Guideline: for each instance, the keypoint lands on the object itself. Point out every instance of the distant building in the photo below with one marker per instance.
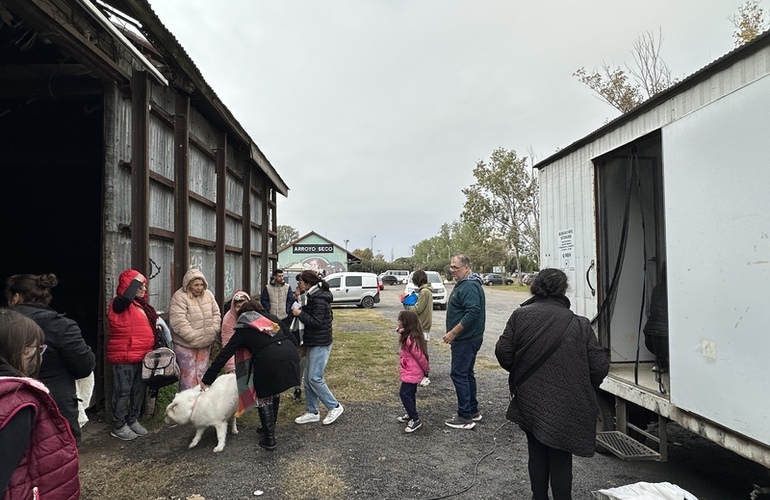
(315, 252)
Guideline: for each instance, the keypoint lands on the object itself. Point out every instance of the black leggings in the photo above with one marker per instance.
(546, 464)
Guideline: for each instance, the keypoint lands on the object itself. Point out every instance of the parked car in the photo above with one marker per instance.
(360, 289)
(528, 278)
(390, 279)
(380, 283)
(496, 279)
(440, 295)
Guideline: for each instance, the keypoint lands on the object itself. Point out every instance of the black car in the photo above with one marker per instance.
(389, 280)
(497, 279)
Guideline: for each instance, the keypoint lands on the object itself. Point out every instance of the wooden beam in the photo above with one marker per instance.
(181, 189)
(140, 171)
(246, 227)
(221, 215)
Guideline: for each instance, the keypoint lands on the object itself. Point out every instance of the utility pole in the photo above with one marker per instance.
(371, 247)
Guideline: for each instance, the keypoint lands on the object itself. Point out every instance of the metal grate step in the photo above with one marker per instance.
(625, 446)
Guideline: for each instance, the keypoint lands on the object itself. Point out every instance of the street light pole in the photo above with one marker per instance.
(371, 247)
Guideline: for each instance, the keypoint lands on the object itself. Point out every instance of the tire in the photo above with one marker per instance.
(605, 416)
(367, 302)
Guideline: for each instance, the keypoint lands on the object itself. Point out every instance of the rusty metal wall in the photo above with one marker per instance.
(204, 259)
(162, 265)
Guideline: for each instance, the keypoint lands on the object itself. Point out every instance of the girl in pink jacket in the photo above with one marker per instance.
(414, 366)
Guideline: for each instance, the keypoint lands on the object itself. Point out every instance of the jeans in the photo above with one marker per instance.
(463, 359)
(408, 395)
(127, 394)
(315, 385)
(549, 464)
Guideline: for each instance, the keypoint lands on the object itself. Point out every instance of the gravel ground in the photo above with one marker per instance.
(366, 453)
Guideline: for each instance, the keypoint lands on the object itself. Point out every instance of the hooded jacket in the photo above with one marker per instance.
(467, 305)
(195, 322)
(277, 299)
(317, 317)
(66, 359)
(557, 402)
(50, 460)
(131, 334)
(228, 322)
(412, 362)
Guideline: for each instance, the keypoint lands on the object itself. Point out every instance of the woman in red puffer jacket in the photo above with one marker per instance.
(132, 335)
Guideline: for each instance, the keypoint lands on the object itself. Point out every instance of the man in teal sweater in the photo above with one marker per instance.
(465, 318)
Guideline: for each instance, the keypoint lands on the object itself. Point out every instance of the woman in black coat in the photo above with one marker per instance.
(67, 356)
(555, 365)
(274, 365)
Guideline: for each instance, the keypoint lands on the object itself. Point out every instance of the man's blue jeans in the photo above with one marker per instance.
(315, 385)
(463, 360)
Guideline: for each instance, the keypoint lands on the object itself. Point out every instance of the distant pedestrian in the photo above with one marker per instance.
(555, 365)
(67, 357)
(39, 457)
(133, 333)
(465, 321)
(413, 362)
(315, 317)
(195, 320)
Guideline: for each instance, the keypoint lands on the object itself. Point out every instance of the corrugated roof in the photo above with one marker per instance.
(718, 65)
(175, 56)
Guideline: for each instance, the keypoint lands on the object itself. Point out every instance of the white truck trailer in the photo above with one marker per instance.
(677, 187)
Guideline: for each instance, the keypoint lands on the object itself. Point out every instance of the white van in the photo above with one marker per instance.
(401, 274)
(360, 289)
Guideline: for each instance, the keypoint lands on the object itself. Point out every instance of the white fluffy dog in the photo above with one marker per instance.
(212, 408)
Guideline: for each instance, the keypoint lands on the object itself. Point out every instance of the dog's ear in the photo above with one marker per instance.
(172, 406)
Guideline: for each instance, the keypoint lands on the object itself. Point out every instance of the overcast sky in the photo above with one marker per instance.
(374, 112)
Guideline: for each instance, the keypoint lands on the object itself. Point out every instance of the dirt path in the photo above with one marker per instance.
(366, 454)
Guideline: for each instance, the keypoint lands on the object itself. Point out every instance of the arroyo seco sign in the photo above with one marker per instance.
(313, 249)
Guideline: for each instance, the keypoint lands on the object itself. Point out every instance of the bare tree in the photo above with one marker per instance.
(626, 89)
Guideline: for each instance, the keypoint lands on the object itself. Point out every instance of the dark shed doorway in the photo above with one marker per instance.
(51, 157)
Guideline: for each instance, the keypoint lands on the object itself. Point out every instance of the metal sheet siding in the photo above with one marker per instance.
(256, 275)
(203, 221)
(204, 259)
(234, 274)
(203, 174)
(567, 203)
(567, 184)
(161, 148)
(160, 288)
(161, 206)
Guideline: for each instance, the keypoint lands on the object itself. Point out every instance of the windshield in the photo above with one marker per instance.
(434, 278)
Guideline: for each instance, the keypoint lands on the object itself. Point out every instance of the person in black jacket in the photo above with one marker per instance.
(555, 365)
(67, 356)
(656, 328)
(315, 317)
(274, 364)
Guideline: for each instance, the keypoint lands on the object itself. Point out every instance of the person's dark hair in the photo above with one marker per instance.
(312, 278)
(17, 333)
(549, 282)
(32, 288)
(252, 305)
(419, 278)
(412, 330)
(277, 272)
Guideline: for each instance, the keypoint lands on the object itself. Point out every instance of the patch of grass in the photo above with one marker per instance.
(363, 366)
(312, 478)
(109, 478)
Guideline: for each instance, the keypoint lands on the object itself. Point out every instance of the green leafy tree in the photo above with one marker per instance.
(749, 22)
(286, 234)
(624, 89)
(503, 202)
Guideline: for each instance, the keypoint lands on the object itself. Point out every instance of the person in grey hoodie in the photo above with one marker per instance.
(465, 320)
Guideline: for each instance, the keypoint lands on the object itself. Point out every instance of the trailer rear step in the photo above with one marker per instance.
(625, 447)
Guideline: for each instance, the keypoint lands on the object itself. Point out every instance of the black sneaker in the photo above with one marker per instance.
(413, 425)
(458, 422)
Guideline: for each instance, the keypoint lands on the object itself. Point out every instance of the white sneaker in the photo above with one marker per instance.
(425, 382)
(333, 414)
(307, 418)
